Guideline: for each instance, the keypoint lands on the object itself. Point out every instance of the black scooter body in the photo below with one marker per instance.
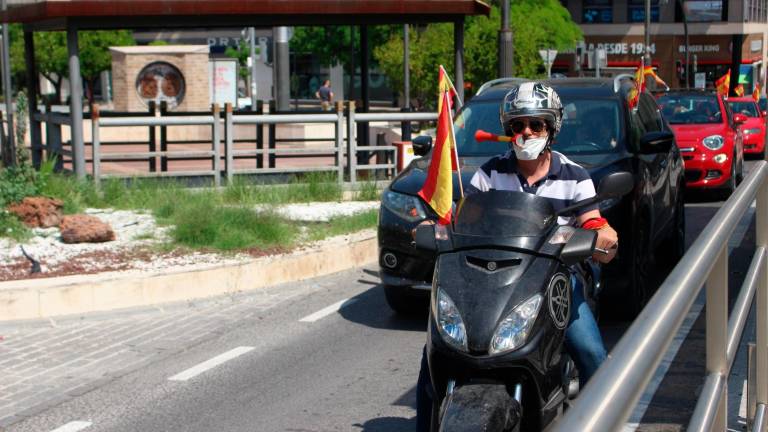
(503, 248)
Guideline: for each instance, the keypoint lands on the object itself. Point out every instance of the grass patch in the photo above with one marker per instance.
(12, 227)
(203, 224)
(368, 191)
(343, 225)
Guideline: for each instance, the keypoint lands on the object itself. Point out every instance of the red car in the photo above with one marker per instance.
(754, 127)
(709, 136)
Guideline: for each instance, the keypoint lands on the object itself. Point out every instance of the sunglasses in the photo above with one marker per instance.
(536, 125)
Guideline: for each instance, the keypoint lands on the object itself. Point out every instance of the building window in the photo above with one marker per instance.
(703, 10)
(636, 11)
(597, 11)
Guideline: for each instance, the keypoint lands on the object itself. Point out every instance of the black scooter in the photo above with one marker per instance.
(499, 309)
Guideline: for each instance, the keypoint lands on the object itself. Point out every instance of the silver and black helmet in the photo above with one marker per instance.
(532, 99)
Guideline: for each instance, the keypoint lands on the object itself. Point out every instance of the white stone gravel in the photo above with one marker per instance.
(136, 229)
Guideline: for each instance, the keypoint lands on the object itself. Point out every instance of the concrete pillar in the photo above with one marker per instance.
(33, 85)
(76, 103)
(282, 71)
(458, 61)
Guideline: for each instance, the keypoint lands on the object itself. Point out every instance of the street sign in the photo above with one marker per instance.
(548, 56)
(700, 80)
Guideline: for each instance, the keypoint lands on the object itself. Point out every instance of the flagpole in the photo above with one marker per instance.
(445, 74)
(455, 151)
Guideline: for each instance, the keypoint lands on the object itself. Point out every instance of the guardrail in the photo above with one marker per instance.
(345, 159)
(612, 393)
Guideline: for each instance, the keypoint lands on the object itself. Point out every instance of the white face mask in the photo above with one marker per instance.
(529, 149)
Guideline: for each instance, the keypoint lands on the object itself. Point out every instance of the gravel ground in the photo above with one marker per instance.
(136, 233)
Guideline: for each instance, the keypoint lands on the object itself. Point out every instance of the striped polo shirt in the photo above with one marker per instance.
(565, 183)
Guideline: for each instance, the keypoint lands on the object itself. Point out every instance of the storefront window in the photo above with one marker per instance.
(636, 11)
(597, 11)
(705, 10)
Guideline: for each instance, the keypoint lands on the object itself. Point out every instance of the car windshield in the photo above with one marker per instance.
(590, 126)
(504, 213)
(690, 109)
(747, 108)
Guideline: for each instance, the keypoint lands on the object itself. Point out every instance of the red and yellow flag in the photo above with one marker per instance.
(648, 70)
(438, 187)
(634, 94)
(723, 83)
(444, 84)
(739, 90)
(756, 93)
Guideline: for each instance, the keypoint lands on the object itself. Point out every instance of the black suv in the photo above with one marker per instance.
(602, 133)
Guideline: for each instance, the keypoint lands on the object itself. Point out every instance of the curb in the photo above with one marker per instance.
(69, 295)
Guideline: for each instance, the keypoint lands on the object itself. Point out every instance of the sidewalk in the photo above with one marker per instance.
(68, 295)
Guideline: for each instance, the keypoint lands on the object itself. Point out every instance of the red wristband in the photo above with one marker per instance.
(595, 223)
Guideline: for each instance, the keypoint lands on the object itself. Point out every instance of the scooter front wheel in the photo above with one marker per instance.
(480, 407)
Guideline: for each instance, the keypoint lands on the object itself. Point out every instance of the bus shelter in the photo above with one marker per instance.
(75, 15)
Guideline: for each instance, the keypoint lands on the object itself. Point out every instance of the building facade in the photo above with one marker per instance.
(722, 35)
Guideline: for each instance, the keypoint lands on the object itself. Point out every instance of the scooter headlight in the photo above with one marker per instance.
(513, 331)
(713, 142)
(449, 322)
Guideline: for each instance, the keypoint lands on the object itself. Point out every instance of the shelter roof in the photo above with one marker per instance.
(91, 14)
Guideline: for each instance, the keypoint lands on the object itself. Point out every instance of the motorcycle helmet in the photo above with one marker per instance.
(532, 99)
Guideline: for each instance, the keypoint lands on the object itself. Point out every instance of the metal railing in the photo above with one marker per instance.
(612, 393)
(345, 163)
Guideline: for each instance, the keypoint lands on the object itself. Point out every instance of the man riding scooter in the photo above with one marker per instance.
(532, 114)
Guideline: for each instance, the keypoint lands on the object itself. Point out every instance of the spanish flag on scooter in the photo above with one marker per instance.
(438, 187)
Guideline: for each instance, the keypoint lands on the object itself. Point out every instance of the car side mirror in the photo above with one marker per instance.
(615, 185)
(656, 142)
(422, 145)
(764, 113)
(579, 247)
(425, 237)
(739, 118)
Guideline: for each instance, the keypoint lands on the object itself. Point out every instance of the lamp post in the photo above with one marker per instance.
(646, 48)
(506, 48)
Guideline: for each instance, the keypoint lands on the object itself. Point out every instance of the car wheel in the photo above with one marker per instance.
(401, 302)
(673, 248)
(740, 174)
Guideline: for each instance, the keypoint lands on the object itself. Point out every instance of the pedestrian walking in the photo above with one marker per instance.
(325, 95)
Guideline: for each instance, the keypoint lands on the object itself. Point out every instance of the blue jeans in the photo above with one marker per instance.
(582, 341)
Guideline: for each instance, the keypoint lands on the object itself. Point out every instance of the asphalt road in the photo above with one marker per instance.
(322, 355)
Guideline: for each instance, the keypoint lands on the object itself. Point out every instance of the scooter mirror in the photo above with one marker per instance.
(425, 237)
(421, 145)
(615, 185)
(579, 247)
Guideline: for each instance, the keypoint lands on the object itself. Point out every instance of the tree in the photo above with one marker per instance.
(241, 54)
(537, 24)
(95, 56)
(52, 58)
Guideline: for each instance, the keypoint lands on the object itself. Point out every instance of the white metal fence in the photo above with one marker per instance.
(612, 393)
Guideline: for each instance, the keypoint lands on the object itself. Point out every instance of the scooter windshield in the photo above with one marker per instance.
(504, 213)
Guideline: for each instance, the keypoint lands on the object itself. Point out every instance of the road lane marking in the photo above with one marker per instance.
(693, 314)
(322, 313)
(73, 426)
(210, 364)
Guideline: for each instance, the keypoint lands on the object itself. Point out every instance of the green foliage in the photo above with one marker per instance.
(368, 191)
(20, 128)
(241, 53)
(16, 183)
(12, 227)
(536, 24)
(201, 223)
(332, 45)
(316, 186)
(94, 50)
(158, 43)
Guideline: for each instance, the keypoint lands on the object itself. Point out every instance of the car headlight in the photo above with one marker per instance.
(513, 331)
(407, 207)
(449, 322)
(713, 142)
(752, 131)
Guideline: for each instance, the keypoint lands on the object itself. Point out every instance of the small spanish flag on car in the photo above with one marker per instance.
(634, 94)
(648, 70)
(739, 90)
(723, 84)
(756, 93)
(438, 186)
